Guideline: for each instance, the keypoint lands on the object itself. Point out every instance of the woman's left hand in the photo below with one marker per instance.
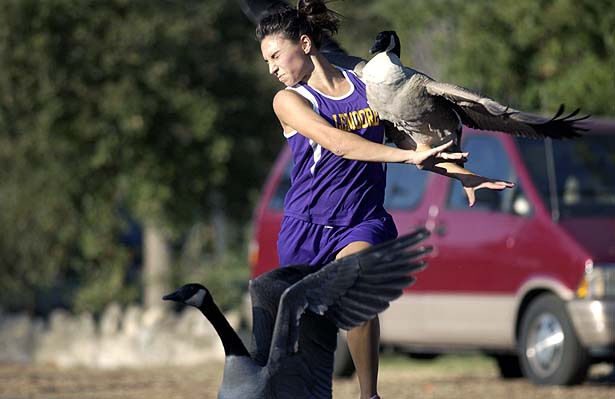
(419, 157)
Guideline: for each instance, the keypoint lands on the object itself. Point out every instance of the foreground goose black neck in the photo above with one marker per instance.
(296, 313)
(198, 296)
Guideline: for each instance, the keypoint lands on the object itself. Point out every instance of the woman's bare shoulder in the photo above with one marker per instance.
(289, 99)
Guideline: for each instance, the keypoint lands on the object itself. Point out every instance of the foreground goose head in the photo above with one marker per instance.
(296, 313)
(198, 296)
(190, 294)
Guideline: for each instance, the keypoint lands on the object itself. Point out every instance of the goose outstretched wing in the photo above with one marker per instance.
(348, 291)
(480, 112)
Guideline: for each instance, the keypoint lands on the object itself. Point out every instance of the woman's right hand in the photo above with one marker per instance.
(419, 157)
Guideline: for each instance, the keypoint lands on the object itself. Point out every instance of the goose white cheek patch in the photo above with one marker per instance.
(196, 299)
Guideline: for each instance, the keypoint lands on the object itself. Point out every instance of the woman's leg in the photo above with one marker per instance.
(363, 341)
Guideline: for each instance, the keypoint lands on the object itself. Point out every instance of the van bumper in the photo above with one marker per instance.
(594, 322)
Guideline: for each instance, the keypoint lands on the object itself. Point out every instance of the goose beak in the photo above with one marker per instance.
(174, 296)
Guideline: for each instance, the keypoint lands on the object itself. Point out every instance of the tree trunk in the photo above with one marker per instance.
(156, 265)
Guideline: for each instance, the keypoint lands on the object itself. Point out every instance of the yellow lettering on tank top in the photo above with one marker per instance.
(362, 118)
(355, 120)
(352, 120)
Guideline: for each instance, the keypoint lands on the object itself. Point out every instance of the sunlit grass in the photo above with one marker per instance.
(444, 363)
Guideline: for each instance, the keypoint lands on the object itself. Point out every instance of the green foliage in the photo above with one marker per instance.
(146, 106)
(226, 275)
(531, 54)
(162, 110)
(226, 278)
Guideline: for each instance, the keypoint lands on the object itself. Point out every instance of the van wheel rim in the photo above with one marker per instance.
(545, 345)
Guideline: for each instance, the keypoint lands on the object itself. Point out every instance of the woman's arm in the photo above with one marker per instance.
(294, 112)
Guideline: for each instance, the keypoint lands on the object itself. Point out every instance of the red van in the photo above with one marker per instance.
(527, 275)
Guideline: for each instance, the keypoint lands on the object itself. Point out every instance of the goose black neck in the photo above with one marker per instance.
(233, 346)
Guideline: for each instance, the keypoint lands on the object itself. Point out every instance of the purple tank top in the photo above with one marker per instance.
(325, 188)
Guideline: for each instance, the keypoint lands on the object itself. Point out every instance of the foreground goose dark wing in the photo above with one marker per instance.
(297, 310)
(429, 111)
(348, 291)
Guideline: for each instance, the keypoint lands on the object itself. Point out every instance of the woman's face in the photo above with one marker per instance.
(288, 60)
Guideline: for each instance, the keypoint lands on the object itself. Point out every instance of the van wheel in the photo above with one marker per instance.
(343, 366)
(549, 350)
(509, 366)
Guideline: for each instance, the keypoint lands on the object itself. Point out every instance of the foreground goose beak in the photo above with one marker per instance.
(174, 296)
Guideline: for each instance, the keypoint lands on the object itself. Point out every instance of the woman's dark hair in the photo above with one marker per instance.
(311, 17)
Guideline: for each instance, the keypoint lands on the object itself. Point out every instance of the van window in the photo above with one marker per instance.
(405, 186)
(488, 158)
(277, 200)
(582, 177)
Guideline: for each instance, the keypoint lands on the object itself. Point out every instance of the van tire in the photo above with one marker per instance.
(565, 362)
(343, 366)
(509, 366)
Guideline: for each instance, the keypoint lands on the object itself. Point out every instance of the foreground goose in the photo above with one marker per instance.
(296, 313)
(430, 112)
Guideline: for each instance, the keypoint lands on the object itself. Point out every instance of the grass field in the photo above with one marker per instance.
(446, 377)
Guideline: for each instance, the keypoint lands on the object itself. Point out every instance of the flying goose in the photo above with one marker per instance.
(296, 313)
(430, 112)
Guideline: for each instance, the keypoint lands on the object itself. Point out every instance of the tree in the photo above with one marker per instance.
(531, 54)
(138, 107)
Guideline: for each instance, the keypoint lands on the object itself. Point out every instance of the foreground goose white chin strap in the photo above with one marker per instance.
(196, 299)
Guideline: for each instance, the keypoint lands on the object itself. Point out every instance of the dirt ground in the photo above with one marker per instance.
(452, 377)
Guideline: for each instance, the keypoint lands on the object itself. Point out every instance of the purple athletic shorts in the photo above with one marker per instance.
(301, 242)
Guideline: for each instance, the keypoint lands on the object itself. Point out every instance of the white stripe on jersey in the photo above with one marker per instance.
(303, 92)
(317, 149)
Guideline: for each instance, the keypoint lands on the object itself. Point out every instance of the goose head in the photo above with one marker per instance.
(190, 294)
(385, 67)
(386, 41)
(198, 296)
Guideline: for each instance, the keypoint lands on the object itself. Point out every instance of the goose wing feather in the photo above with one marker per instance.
(363, 281)
(265, 292)
(480, 112)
